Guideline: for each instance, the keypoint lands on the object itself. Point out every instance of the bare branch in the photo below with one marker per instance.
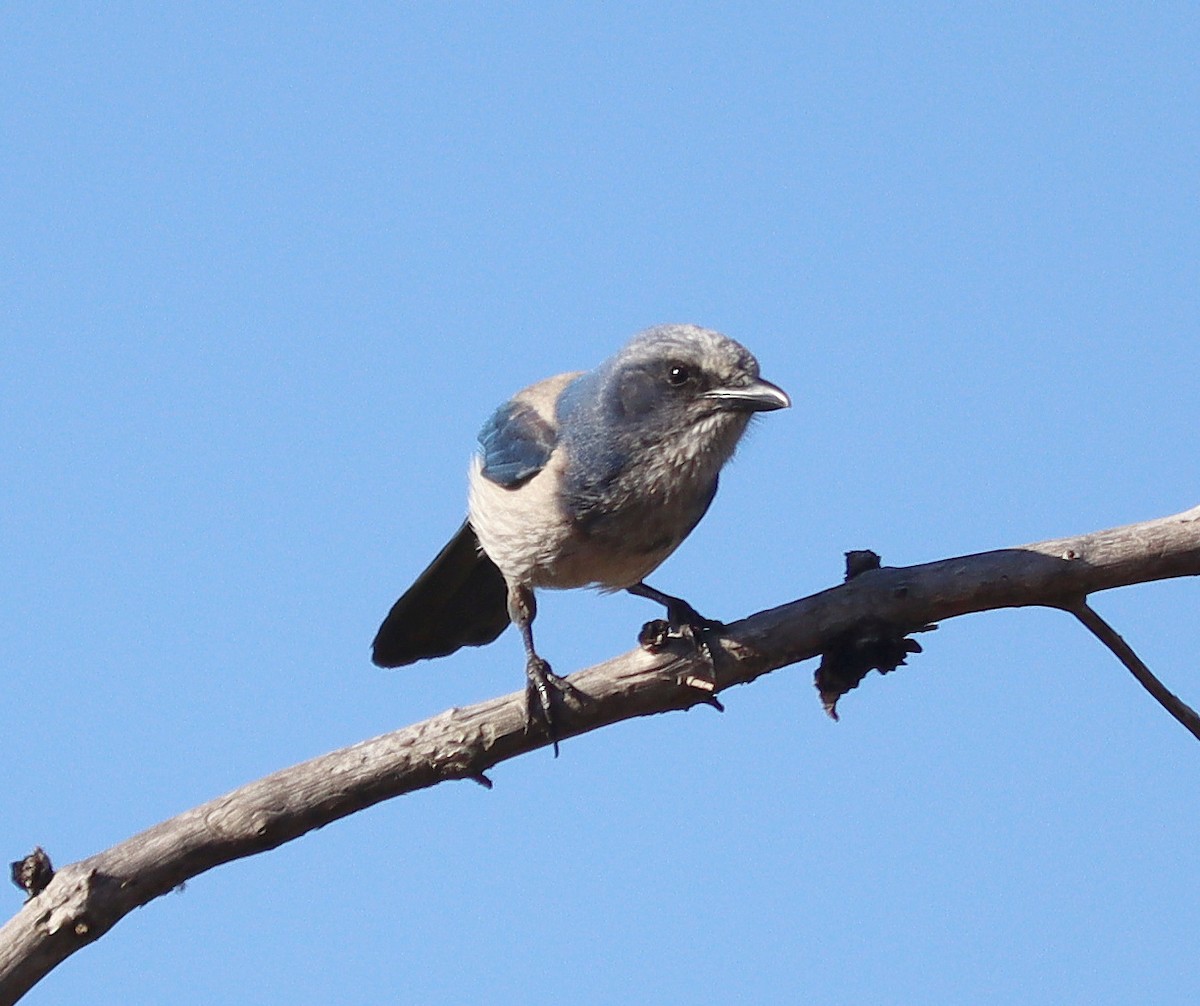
(85, 899)
(1109, 636)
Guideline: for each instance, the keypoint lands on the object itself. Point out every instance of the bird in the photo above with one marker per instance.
(586, 479)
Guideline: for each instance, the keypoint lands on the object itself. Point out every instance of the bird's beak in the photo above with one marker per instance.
(757, 396)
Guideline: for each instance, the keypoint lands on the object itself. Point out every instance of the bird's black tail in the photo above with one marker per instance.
(460, 600)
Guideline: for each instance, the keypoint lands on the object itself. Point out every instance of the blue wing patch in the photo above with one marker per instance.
(517, 443)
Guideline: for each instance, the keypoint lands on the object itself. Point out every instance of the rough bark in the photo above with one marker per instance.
(85, 899)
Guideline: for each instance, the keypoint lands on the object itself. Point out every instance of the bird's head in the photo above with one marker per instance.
(679, 389)
(685, 374)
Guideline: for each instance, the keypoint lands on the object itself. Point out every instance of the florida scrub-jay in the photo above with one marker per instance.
(585, 479)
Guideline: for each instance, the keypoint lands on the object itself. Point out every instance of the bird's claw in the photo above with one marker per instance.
(682, 616)
(700, 634)
(682, 620)
(654, 635)
(695, 630)
(704, 641)
(543, 688)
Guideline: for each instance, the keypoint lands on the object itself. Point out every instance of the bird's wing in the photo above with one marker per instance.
(517, 442)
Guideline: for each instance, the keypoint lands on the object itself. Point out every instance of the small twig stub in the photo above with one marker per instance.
(33, 873)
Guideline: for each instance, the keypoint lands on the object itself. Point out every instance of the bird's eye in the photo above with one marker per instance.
(678, 375)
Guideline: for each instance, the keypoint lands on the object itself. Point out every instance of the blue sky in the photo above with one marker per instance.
(265, 272)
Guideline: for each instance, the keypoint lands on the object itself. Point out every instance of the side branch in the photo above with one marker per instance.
(1109, 636)
(85, 899)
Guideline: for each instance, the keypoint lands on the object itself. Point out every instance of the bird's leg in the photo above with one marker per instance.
(682, 620)
(541, 683)
(680, 614)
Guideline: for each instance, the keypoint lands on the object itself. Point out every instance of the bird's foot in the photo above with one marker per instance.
(684, 622)
(682, 617)
(655, 635)
(543, 689)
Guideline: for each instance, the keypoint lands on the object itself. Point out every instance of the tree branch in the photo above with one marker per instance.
(85, 899)
(1109, 636)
